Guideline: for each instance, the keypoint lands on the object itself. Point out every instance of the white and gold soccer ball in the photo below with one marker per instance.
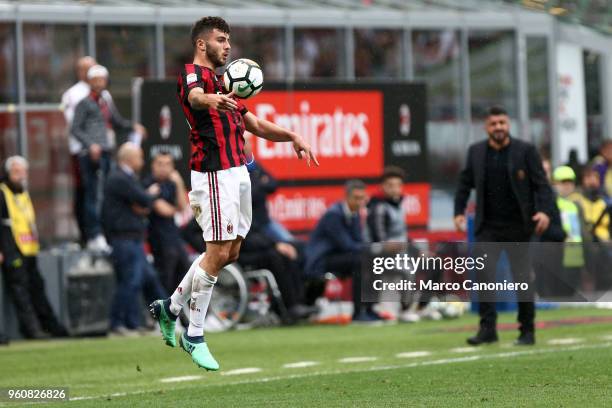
(244, 77)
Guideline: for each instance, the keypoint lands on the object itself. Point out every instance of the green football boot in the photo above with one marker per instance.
(199, 353)
(167, 321)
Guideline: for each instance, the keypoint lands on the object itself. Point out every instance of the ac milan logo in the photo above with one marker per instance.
(180, 290)
(165, 122)
(230, 228)
(404, 119)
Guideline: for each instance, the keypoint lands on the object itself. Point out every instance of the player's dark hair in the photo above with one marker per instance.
(392, 172)
(496, 110)
(207, 24)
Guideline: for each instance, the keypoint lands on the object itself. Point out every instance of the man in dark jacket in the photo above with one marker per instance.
(513, 200)
(167, 245)
(337, 243)
(126, 205)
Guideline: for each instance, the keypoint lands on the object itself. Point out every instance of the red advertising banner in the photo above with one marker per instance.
(344, 128)
(300, 208)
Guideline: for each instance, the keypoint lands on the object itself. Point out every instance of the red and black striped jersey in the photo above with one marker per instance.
(217, 141)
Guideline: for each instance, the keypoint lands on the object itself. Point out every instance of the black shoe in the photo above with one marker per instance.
(367, 317)
(58, 330)
(525, 339)
(36, 335)
(483, 337)
(300, 311)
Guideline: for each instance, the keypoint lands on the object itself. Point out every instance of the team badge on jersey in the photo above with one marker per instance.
(191, 78)
(230, 228)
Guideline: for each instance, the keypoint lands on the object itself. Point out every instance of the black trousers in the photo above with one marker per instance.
(171, 263)
(26, 289)
(286, 272)
(349, 264)
(79, 198)
(489, 241)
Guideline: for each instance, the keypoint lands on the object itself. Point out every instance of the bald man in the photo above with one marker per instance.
(124, 210)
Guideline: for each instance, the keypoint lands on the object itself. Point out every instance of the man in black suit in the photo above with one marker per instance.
(513, 201)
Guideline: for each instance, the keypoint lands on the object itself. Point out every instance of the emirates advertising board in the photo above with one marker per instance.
(354, 129)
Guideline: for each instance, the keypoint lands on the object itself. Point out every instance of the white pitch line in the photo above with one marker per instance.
(413, 354)
(565, 341)
(455, 360)
(239, 371)
(301, 364)
(181, 379)
(464, 349)
(606, 337)
(357, 359)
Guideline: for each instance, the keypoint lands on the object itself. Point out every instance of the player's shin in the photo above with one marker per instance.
(183, 290)
(203, 285)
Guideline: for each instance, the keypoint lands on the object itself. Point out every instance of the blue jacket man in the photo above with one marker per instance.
(338, 232)
(336, 245)
(126, 205)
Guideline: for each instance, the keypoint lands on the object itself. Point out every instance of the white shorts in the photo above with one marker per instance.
(221, 203)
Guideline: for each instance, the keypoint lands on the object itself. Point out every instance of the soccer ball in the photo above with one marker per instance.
(244, 77)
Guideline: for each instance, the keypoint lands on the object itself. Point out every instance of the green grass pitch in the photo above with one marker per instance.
(424, 364)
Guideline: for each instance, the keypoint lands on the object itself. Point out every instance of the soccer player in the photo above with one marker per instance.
(221, 188)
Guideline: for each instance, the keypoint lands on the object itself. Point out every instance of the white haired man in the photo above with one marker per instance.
(94, 125)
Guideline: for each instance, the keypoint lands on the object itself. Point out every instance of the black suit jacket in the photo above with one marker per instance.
(527, 179)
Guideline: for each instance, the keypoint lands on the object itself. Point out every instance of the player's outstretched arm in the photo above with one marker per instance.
(200, 100)
(268, 130)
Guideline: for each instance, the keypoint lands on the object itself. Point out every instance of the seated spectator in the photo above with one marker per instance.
(386, 224)
(18, 251)
(124, 211)
(337, 242)
(262, 185)
(258, 251)
(270, 246)
(602, 164)
(94, 125)
(167, 246)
